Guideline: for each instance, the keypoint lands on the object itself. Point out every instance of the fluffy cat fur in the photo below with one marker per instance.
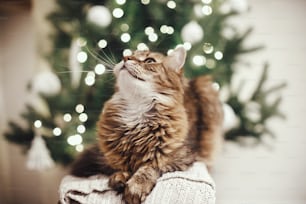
(157, 121)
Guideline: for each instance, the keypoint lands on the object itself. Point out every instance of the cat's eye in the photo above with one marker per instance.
(150, 60)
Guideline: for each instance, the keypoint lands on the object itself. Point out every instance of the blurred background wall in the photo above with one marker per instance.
(271, 174)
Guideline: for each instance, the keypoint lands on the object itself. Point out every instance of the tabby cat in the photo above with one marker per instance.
(157, 121)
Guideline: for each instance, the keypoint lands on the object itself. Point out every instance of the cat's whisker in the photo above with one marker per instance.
(102, 61)
(109, 59)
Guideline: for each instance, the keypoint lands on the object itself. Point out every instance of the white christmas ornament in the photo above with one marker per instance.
(39, 156)
(40, 105)
(46, 83)
(192, 32)
(74, 64)
(230, 120)
(239, 6)
(99, 15)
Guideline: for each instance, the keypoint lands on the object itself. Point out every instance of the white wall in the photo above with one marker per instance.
(18, 62)
(272, 175)
(243, 175)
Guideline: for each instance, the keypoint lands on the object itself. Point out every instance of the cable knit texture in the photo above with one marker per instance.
(194, 186)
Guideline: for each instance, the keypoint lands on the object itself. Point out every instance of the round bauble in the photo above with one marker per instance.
(46, 83)
(99, 15)
(192, 32)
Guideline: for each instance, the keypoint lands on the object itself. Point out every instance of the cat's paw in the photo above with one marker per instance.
(117, 181)
(136, 190)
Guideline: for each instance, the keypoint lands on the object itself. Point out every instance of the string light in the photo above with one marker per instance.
(82, 57)
(199, 60)
(153, 37)
(120, 2)
(37, 123)
(124, 27)
(102, 43)
(75, 140)
(83, 117)
(79, 148)
(170, 30)
(171, 4)
(142, 46)
(167, 29)
(127, 52)
(90, 78)
(187, 45)
(207, 10)
(206, 1)
(118, 13)
(218, 55)
(81, 129)
(149, 30)
(99, 69)
(125, 37)
(145, 2)
(79, 108)
(57, 131)
(67, 117)
(210, 63)
(208, 48)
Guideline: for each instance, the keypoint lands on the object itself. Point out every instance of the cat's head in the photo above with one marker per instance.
(151, 74)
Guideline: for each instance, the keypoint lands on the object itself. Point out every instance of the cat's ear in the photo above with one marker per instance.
(176, 59)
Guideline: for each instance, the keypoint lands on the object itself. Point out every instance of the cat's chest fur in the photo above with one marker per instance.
(135, 133)
(136, 113)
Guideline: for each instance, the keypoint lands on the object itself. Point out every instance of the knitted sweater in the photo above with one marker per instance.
(194, 186)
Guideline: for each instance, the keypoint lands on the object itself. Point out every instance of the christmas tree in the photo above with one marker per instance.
(91, 36)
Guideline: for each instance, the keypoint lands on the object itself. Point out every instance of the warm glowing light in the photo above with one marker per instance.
(118, 13)
(81, 129)
(99, 69)
(199, 60)
(67, 117)
(127, 52)
(207, 10)
(102, 43)
(125, 37)
(187, 45)
(171, 4)
(208, 48)
(90, 79)
(82, 57)
(218, 55)
(206, 1)
(79, 148)
(79, 108)
(120, 2)
(57, 131)
(37, 123)
(145, 2)
(124, 27)
(210, 63)
(75, 140)
(149, 30)
(142, 46)
(83, 117)
(170, 30)
(153, 37)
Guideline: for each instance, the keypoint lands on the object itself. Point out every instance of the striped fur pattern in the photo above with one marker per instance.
(157, 121)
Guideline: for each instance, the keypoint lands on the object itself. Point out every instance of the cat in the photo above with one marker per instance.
(157, 121)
